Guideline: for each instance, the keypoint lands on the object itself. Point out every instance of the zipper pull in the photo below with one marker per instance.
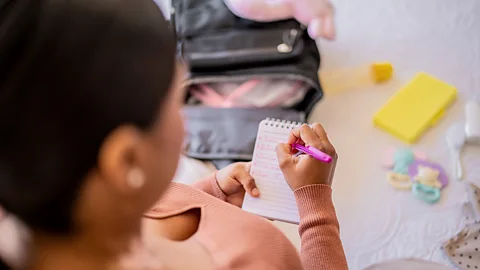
(289, 40)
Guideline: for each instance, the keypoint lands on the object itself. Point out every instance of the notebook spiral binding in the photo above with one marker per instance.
(273, 122)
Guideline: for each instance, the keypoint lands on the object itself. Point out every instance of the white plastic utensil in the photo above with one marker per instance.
(456, 140)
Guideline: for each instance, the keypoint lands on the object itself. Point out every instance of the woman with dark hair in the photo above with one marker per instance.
(90, 137)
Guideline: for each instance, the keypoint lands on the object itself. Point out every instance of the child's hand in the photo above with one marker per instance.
(324, 25)
(234, 180)
(304, 170)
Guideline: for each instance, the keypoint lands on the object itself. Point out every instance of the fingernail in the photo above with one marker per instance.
(255, 192)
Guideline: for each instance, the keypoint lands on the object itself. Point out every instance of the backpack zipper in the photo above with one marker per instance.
(220, 79)
(289, 40)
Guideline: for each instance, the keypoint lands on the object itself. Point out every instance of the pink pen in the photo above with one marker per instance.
(314, 152)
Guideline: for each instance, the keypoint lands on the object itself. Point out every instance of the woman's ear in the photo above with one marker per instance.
(118, 160)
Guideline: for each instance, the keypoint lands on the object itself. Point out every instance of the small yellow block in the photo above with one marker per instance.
(417, 106)
(382, 72)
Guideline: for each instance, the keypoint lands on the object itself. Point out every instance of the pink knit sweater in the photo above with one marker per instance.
(240, 240)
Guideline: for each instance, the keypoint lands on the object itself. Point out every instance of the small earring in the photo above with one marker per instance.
(135, 178)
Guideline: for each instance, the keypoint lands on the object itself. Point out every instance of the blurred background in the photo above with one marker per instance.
(440, 37)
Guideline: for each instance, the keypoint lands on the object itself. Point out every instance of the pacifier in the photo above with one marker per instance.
(411, 171)
(402, 159)
(428, 173)
(388, 159)
(403, 155)
(425, 193)
(399, 181)
(428, 177)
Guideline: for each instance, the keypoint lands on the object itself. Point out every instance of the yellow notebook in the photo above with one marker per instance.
(416, 107)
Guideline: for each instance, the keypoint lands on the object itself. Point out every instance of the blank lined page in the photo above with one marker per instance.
(276, 199)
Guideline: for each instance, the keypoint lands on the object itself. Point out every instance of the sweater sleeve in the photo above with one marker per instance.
(209, 185)
(319, 230)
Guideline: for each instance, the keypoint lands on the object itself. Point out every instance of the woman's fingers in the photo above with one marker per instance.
(250, 187)
(284, 154)
(248, 166)
(328, 24)
(305, 134)
(321, 133)
(323, 137)
(243, 176)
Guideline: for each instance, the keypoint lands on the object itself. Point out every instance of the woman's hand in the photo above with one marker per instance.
(304, 170)
(234, 180)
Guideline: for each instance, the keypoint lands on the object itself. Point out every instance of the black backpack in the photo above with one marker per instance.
(219, 46)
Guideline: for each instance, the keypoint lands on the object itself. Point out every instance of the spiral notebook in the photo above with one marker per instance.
(276, 199)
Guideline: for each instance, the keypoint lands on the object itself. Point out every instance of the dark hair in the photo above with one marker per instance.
(3, 265)
(71, 71)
